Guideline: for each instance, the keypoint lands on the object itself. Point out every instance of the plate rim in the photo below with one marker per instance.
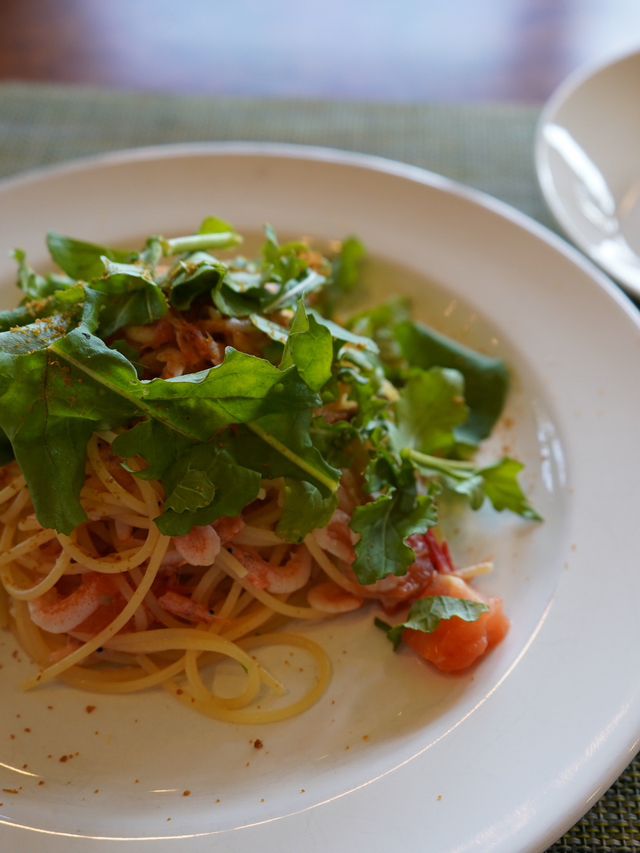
(567, 818)
(374, 162)
(567, 88)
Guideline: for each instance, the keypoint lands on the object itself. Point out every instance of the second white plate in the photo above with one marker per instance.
(588, 164)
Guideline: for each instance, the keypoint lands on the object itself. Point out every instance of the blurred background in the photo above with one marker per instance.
(406, 51)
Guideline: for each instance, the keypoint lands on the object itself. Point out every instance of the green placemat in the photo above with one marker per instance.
(486, 147)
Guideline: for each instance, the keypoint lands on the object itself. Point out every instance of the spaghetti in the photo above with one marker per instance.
(118, 657)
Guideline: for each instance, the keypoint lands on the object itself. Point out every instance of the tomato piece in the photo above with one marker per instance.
(456, 645)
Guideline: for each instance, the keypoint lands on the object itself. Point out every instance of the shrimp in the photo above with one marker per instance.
(455, 645)
(173, 360)
(199, 547)
(330, 598)
(337, 538)
(60, 615)
(195, 345)
(228, 528)
(279, 580)
(185, 608)
(395, 591)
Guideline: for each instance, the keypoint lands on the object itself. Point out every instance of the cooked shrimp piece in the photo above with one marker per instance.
(59, 615)
(199, 547)
(331, 598)
(184, 607)
(228, 528)
(152, 335)
(396, 591)
(279, 580)
(173, 360)
(455, 644)
(196, 346)
(338, 538)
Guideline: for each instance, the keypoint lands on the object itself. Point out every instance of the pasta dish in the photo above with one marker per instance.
(199, 452)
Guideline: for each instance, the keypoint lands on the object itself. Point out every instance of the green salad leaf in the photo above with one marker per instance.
(429, 409)
(305, 508)
(280, 445)
(396, 513)
(310, 347)
(6, 450)
(124, 296)
(428, 613)
(194, 277)
(486, 380)
(202, 485)
(82, 260)
(498, 482)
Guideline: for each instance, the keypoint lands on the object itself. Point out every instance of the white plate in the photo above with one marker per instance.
(503, 759)
(588, 164)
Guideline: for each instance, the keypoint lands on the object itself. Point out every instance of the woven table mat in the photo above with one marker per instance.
(487, 147)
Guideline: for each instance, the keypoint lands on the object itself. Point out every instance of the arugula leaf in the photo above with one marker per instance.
(66, 302)
(49, 418)
(343, 335)
(273, 330)
(198, 275)
(6, 450)
(486, 379)
(214, 225)
(346, 266)
(21, 316)
(239, 296)
(379, 323)
(428, 613)
(192, 491)
(503, 490)
(124, 296)
(404, 343)
(498, 482)
(381, 320)
(36, 286)
(156, 443)
(339, 334)
(204, 484)
(305, 508)
(36, 336)
(345, 274)
(282, 263)
(310, 347)
(386, 523)
(430, 407)
(280, 445)
(82, 260)
(241, 389)
(295, 289)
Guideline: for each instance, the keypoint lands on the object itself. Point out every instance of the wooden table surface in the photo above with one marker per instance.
(374, 50)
